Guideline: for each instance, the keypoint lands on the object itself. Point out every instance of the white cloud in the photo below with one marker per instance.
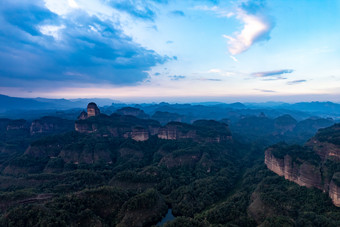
(234, 58)
(72, 3)
(256, 27)
(220, 12)
(214, 71)
(51, 30)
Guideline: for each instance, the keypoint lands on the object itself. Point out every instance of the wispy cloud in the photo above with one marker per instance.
(257, 25)
(220, 72)
(296, 82)
(264, 90)
(234, 58)
(218, 11)
(274, 73)
(177, 77)
(209, 79)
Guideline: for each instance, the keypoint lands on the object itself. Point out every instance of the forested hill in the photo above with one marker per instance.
(107, 176)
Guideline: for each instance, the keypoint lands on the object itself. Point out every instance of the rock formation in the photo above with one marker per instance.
(92, 110)
(199, 131)
(125, 125)
(311, 165)
(116, 125)
(82, 116)
(303, 173)
(46, 125)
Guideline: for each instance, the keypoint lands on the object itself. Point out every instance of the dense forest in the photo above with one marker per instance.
(61, 177)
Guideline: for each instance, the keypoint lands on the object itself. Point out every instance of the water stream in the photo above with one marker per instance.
(168, 217)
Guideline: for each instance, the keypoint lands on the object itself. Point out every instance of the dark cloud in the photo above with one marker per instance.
(175, 77)
(86, 49)
(274, 73)
(296, 82)
(178, 13)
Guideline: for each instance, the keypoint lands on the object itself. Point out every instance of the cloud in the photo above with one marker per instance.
(218, 11)
(264, 90)
(140, 9)
(296, 82)
(274, 73)
(234, 58)
(176, 77)
(209, 79)
(178, 13)
(257, 25)
(37, 44)
(133, 8)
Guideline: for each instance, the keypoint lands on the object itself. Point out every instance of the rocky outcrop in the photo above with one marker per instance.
(47, 125)
(140, 134)
(120, 126)
(14, 125)
(334, 189)
(176, 131)
(92, 110)
(326, 143)
(125, 125)
(82, 115)
(199, 131)
(299, 171)
(312, 165)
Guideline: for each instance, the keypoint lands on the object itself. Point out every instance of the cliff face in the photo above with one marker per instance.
(313, 165)
(50, 125)
(199, 131)
(302, 173)
(128, 126)
(326, 143)
(334, 193)
(176, 131)
(118, 126)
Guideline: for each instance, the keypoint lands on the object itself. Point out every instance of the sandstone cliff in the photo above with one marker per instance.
(48, 125)
(299, 171)
(314, 165)
(125, 125)
(199, 131)
(118, 126)
(334, 189)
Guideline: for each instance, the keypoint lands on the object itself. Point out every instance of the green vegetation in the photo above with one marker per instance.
(76, 179)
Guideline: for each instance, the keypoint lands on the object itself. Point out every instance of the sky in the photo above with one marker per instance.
(171, 50)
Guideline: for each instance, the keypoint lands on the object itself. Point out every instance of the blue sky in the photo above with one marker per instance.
(171, 50)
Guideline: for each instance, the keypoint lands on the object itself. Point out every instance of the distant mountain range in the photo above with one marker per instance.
(14, 107)
(14, 103)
